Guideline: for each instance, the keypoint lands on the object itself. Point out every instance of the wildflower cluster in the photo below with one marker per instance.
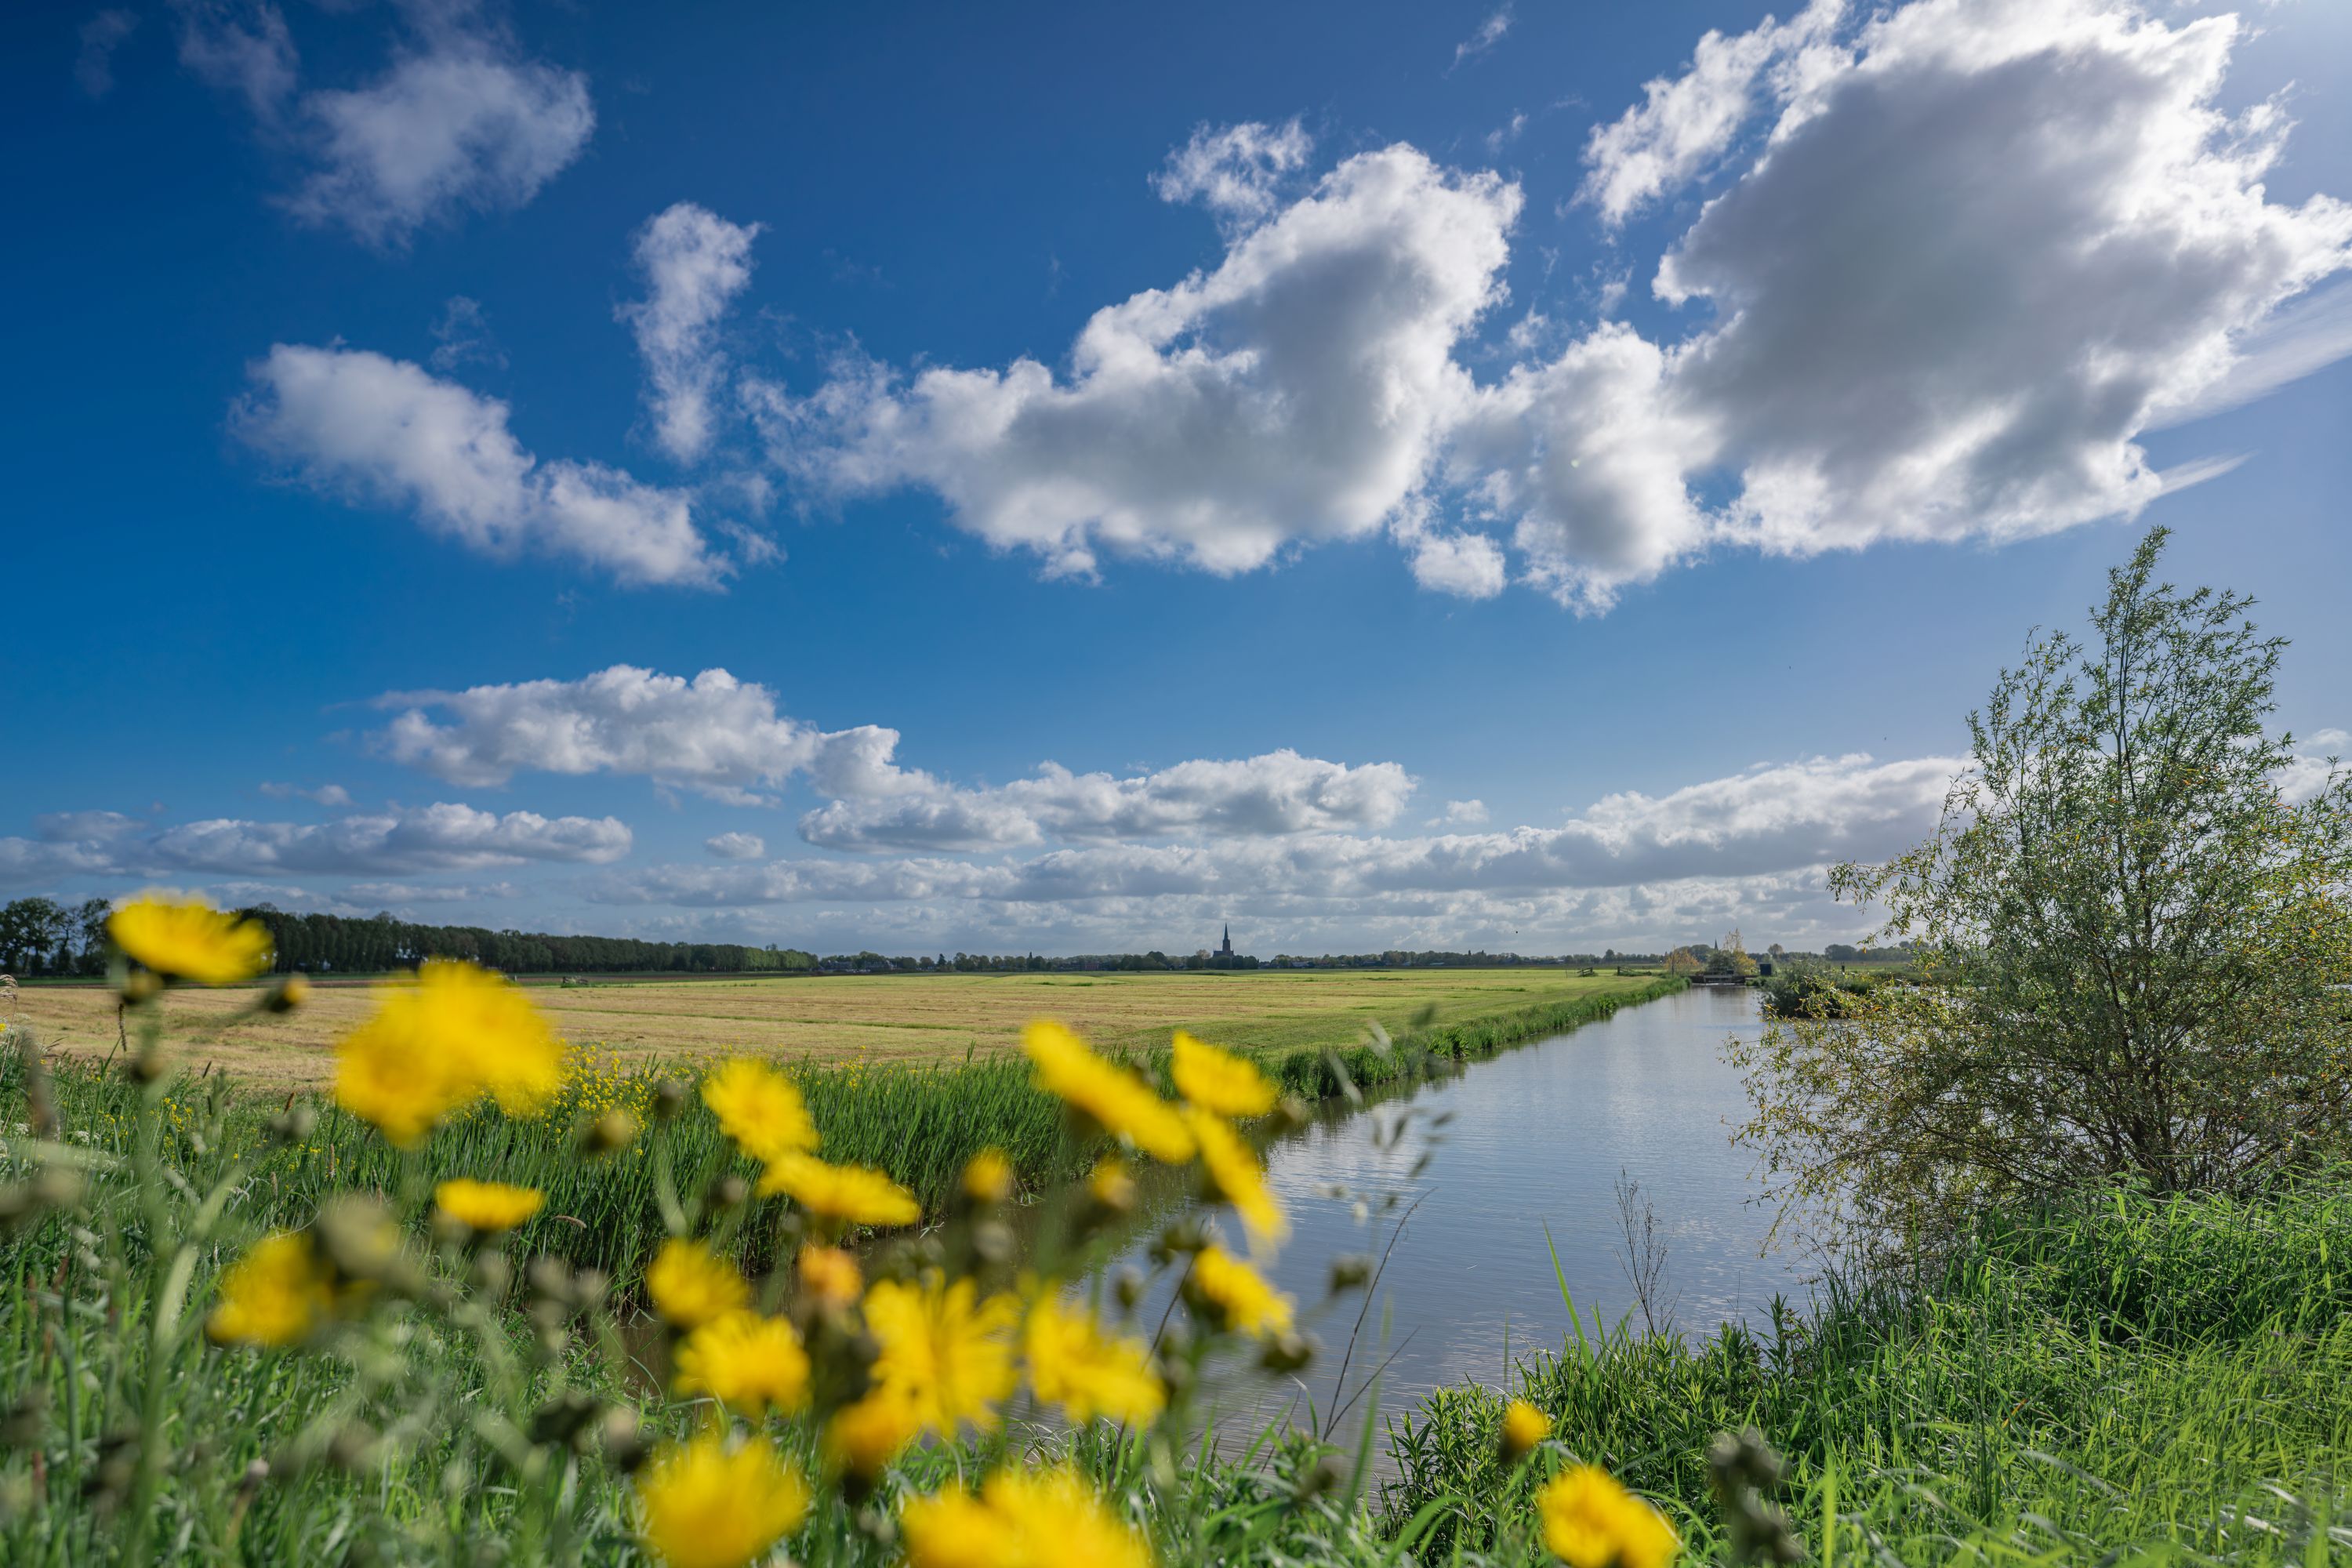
(820, 1382)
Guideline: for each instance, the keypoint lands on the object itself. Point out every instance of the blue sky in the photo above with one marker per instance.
(1544, 478)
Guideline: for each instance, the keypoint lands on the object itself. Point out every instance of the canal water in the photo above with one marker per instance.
(1535, 1137)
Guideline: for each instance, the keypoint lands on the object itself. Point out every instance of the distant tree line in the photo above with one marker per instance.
(42, 936)
(328, 944)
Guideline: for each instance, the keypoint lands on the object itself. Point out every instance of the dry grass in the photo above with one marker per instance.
(879, 1017)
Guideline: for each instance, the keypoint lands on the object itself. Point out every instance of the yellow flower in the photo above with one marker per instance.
(943, 1350)
(1524, 1427)
(488, 1205)
(760, 1109)
(830, 1276)
(442, 1039)
(1122, 1103)
(1219, 1080)
(691, 1285)
(188, 939)
(1235, 1295)
(1021, 1519)
(1234, 1175)
(1591, 1521)
(749, 1363)
(851, 1194)
(276, 1294)
(1110, 1186)
(699, 1506)
(988, 1177)
(863, 1437)
(1072, 1364)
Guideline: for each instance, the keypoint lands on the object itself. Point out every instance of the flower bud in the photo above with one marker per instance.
(616, 1129)
(1350, 1271)
(988, 1179)
(1524, 1427)
(287, 994)
(622, 1438)
(1285, 1353)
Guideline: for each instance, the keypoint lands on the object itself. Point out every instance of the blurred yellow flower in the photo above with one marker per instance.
(1235, 1296)
(1235, 1174)
(1021, 1519)
(830, 1276)
(749, 1363)
(700, 1506)
(690, 1285)
(851, 1194)
(1072, 1364)
(1524, 1427)
(1116, 1099)
(946, 1352)
(988, 1177)
(488, 1205)
(863, 1437)
(760, 1109)
(1591, 1521)
(276, 1294)
(442, 1039)
(1219, 1080)
(188, 939)
(1110, 1186)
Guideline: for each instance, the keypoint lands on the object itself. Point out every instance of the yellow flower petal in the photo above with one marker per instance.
(188, 939)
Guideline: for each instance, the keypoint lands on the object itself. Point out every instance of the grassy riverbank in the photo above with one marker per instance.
(2172, 1379)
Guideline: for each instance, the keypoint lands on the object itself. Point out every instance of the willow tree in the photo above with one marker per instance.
(2133, 922)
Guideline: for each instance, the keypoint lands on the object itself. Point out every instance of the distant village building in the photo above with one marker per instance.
(1225, 948)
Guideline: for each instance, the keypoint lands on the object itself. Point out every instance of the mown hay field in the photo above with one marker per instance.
(843, 1018)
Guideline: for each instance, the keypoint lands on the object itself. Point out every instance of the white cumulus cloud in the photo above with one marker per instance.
(390, 432)
(1962, 256)
(1297, 392)
(736, 846)
(1234, 170)
(458, 120)
(444, 836)
(695, 264)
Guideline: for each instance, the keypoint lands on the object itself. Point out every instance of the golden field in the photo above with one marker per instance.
(881, 1017)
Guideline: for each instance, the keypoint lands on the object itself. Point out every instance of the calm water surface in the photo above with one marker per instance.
(1538, 1136)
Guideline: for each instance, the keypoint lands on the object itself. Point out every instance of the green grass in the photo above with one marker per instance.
(2126, 1373)
(920, 1124)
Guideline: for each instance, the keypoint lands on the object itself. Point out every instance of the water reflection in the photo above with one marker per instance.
(1536, 1137)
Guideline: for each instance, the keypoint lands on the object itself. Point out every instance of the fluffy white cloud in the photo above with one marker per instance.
(1297, 391)
(1234, 170)
(457, 124)
(695, 263)
(1978, 255)
(1968, 254)
(1771, 822)
(240, 47)
(736, 846)
(1277, 793)
(725, 738)
(444, 836)
(458, 121)
(397, 841)
(1463, 813)
(713, 735)
(387, 431)
(1685, 122)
